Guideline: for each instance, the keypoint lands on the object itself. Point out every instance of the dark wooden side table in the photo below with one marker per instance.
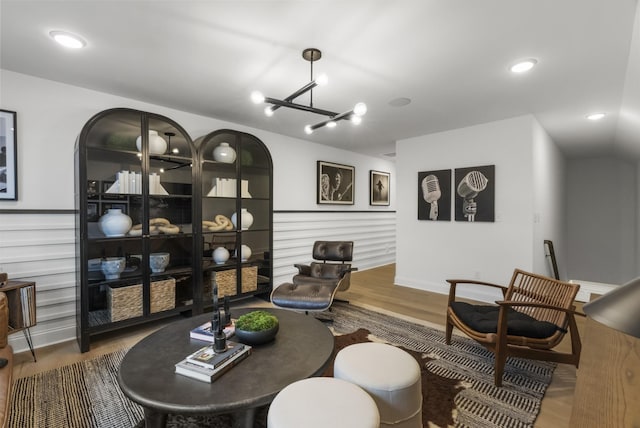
(21, 296)
(303, 348)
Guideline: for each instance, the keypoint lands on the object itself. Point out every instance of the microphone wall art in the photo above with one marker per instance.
(475, 194)
(434, 195)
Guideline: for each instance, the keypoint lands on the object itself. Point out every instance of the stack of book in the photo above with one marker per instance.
(207, 365)
(203, 332)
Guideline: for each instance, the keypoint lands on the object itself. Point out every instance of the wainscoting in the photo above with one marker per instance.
(39, 245)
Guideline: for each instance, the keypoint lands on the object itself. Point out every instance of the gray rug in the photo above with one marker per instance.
(459, 379)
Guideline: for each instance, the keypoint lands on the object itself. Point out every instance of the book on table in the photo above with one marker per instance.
(203, 332)
(207, 365)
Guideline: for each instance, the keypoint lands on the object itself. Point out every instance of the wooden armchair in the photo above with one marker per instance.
(532, 319)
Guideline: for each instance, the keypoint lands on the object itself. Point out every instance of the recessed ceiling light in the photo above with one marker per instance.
(523, 66)
(596, 116)
(400, 102)
(68, 40)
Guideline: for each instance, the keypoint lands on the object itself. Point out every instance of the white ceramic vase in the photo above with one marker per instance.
(115, 223)
(245, 253)
(224, 153)
(247, 219)
(220, 255)
(157, 144)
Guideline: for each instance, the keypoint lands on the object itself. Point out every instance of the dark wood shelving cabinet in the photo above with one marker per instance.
(241, 190)
(145, 166)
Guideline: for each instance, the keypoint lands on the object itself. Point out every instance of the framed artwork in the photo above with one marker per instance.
(379, 189)
(335, 184)
(434, 195)
(475, 193)
(8, 156)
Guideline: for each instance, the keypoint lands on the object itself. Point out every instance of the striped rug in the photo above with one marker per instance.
(460, 389)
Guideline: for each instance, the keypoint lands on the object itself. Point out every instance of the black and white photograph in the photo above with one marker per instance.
(475, 193)
(335, 184)
(379, 190)
(8, 156)
(434, 195)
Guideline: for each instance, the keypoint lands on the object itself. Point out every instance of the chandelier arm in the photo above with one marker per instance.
(296, 106)
(306, 88)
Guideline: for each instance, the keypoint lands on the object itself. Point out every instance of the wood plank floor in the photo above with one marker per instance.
(370, 287)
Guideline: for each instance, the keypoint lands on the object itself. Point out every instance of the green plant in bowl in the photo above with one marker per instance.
(256, 327)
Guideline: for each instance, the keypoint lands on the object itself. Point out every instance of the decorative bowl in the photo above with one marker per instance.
(256, 327)
(159, 262)
(257, 337)
(112, 267)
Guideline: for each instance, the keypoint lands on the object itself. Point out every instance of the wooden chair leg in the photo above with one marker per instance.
(501, 360)
(448, 331)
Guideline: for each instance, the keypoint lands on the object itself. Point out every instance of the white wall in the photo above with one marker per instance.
(549, 203)
(602, 220)
(39, 247)
(430, 252)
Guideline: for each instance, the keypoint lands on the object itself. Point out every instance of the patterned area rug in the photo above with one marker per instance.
(457, 383)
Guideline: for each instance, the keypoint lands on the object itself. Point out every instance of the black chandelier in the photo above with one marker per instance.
(311, 55)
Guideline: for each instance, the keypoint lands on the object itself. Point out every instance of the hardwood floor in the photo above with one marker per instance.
(372, 287)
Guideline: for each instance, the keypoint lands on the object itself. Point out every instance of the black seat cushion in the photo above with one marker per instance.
(484, 319)
(307, 297)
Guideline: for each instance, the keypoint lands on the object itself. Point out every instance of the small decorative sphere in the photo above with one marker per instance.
(224, 153)
(220, 255)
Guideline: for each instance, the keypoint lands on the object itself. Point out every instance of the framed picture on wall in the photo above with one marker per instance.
(335, 184)
(475, 193)
(434, 195)
(8, 156)
(379, 190)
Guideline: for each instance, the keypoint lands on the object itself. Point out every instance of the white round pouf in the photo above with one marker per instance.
(390, 375)
(323, 402)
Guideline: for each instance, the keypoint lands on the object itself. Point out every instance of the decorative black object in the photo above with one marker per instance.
(217, 326)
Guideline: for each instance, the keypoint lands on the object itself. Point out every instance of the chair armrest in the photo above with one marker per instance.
(303, 269)
(454, 282)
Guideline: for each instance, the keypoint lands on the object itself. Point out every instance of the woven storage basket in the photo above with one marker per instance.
(124, 302)
(226, 280)
(163, 295)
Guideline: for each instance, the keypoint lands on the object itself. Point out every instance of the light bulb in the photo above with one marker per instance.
(257, 97)
(161, 170)
(268, 111)
(308, 130)
(523, 66)
(175, 151)
(360, 109)
(331, 124)
(68, 40)
(322, 80)
(356, 120)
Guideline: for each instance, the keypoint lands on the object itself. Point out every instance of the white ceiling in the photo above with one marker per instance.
(450, 57)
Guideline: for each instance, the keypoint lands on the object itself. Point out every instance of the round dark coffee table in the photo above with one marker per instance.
(302, 349)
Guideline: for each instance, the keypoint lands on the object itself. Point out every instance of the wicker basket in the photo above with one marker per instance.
(163, 295)
(125, 302)
(226, 280)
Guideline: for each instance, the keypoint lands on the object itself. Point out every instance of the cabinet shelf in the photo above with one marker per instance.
(106, 152)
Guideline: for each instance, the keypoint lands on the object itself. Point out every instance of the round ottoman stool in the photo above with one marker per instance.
(322, 402)
(390, 375)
